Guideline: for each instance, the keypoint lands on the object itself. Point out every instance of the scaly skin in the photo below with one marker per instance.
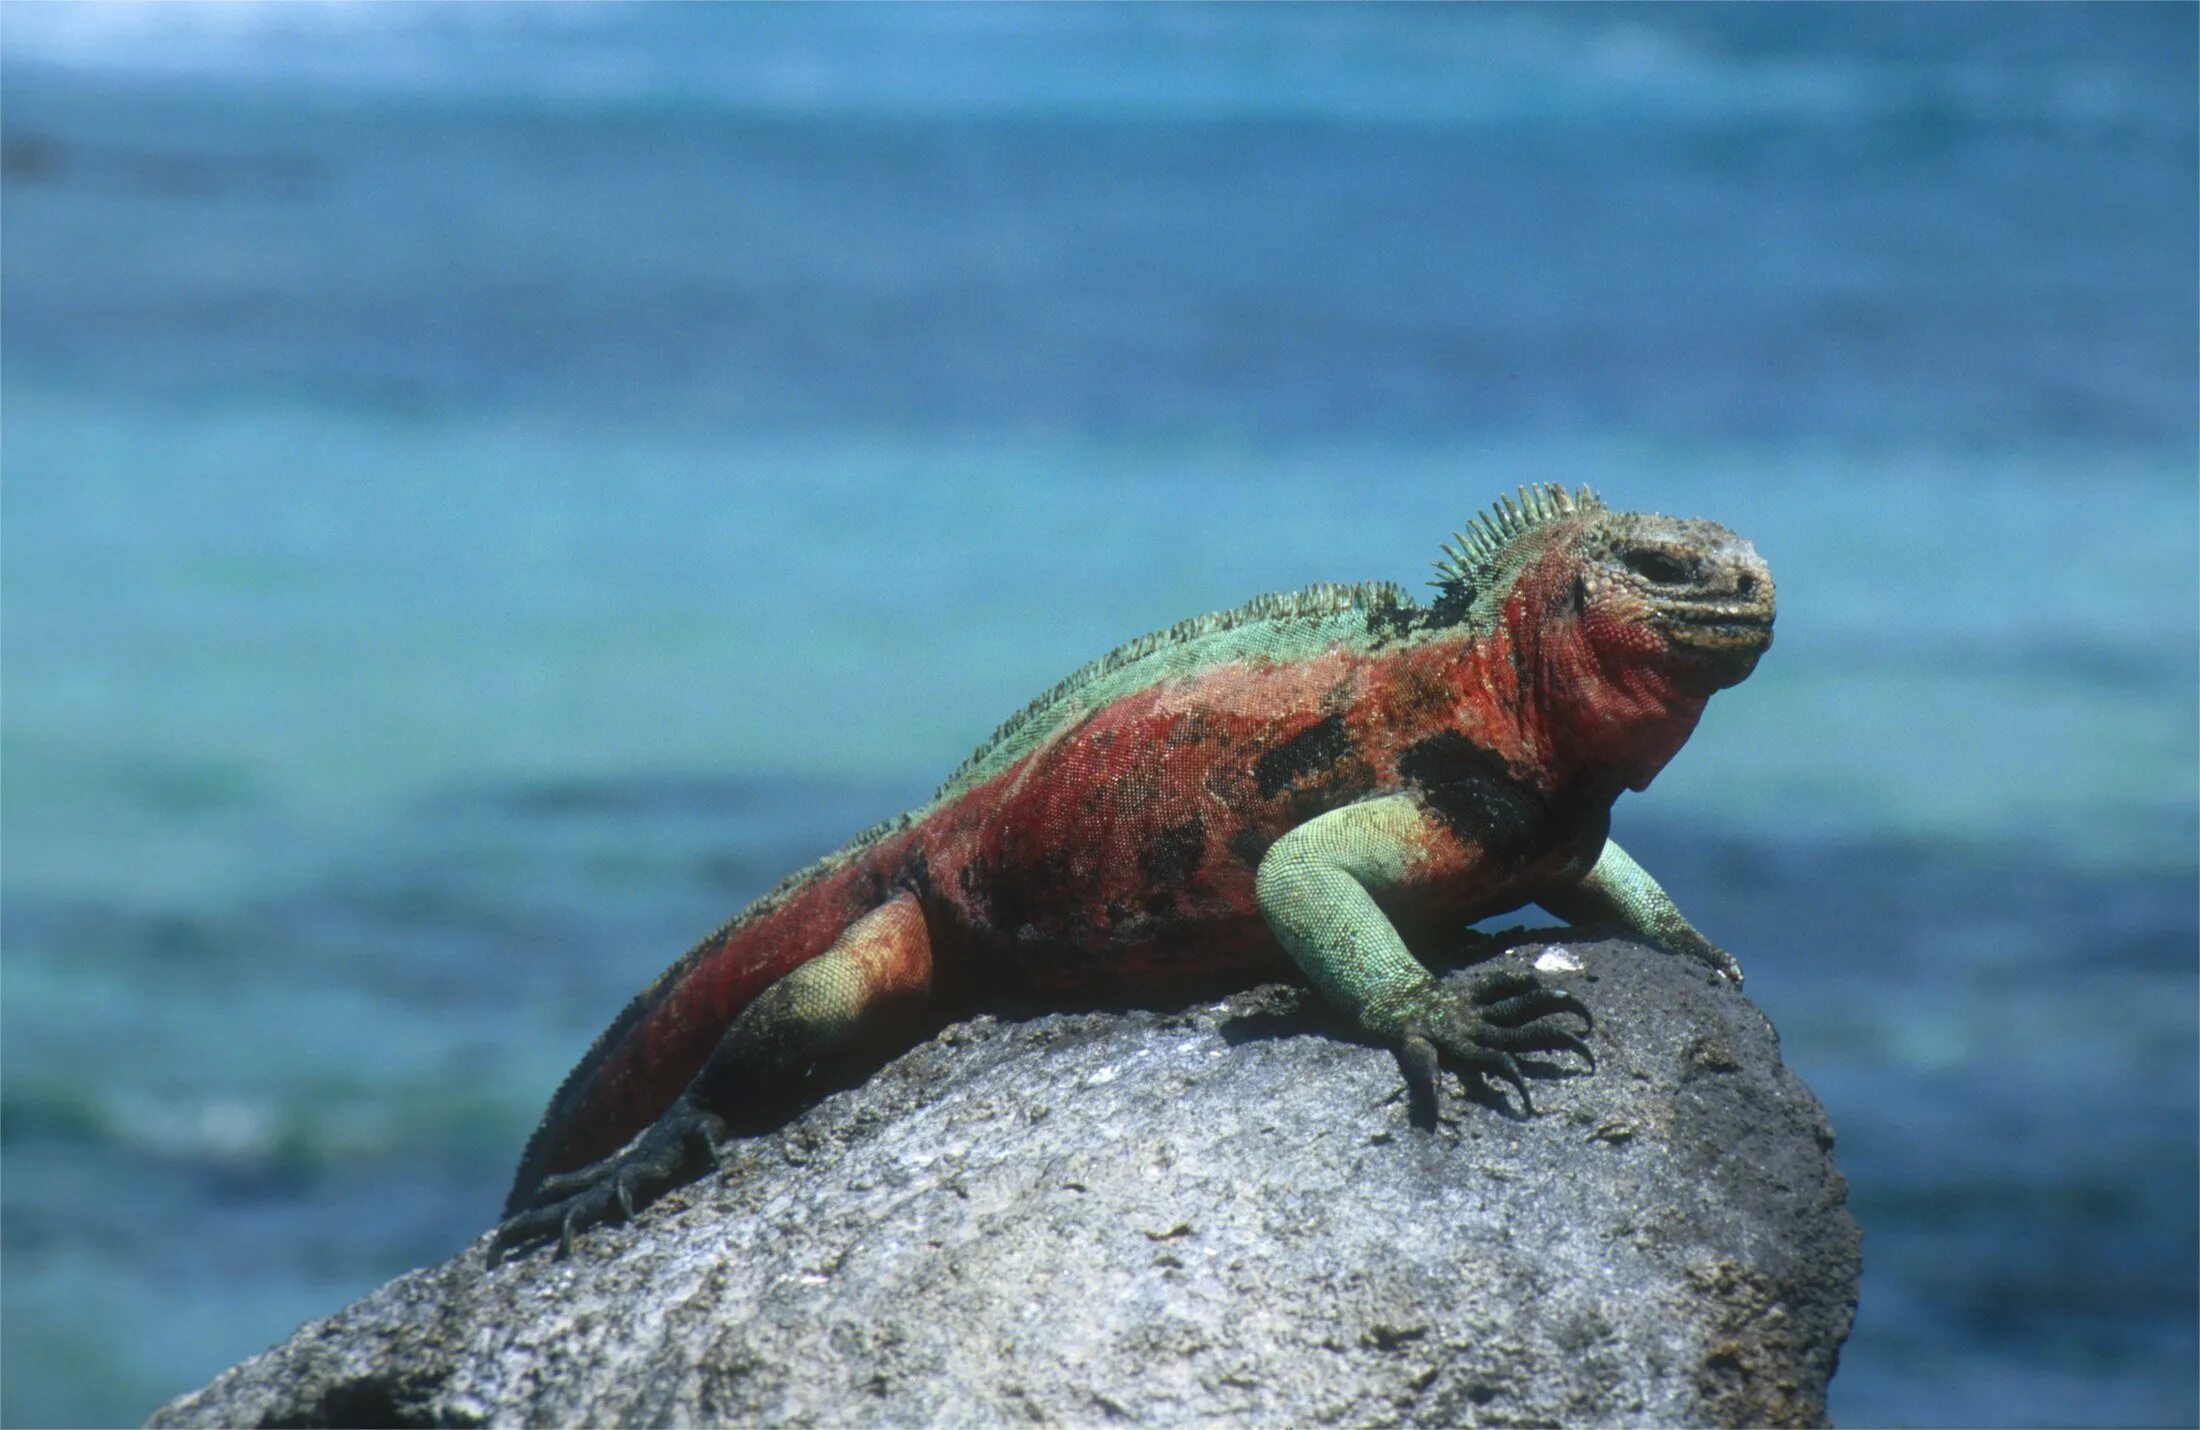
(1316, 779)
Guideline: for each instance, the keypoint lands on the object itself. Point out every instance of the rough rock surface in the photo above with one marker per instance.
(1224, 1213)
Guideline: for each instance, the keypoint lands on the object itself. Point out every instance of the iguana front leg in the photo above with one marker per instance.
(1316, 887)
(1618, 892)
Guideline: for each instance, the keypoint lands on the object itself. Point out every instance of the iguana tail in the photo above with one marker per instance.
(653, 1050)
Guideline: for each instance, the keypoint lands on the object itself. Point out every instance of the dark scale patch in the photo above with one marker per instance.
(1249, 844)
(1394, 623)
(1473, 791)
(1171, 857)
(1451, 607)
(1309, 752)
(1194, 729)
(916, 873)
(1023, 893)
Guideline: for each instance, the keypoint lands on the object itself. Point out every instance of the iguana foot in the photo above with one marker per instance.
(1718, 959)
(619, 1185)
(1480, 1029)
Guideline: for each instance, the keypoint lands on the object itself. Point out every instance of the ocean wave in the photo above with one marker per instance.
(1443, 67)
(254, 1129)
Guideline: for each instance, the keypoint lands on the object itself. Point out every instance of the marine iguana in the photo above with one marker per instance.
(1315, 778)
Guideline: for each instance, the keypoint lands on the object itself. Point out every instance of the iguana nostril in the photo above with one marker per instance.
(1744, 584)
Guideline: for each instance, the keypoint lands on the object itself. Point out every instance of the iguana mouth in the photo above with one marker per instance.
(1718, 628)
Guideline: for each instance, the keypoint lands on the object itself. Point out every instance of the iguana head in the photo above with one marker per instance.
(1623, 622)
(1686, 594)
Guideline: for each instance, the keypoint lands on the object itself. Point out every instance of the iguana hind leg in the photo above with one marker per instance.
(1317, 887)
(878, 966)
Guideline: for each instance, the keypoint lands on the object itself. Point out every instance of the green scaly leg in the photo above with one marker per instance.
(1316, 886)
(1617, 892)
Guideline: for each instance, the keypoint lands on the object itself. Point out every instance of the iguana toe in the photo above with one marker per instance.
(1481, 1028)
(1422, 1054)
(1502, 983)
(1542, 1036)
(1521, 1009)
(1489, 1062)
(568, 1203)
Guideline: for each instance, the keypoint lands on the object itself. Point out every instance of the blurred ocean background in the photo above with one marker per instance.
(487, 489)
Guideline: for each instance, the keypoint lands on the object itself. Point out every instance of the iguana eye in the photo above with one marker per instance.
(1657, 566)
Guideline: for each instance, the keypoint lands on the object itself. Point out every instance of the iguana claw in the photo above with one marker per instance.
(620, 1185)
(1522, 1008)
(1479, 1029)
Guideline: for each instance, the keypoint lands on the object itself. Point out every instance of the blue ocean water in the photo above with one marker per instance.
(488, 489)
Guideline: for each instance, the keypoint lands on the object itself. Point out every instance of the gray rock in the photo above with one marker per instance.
(1218, 1214)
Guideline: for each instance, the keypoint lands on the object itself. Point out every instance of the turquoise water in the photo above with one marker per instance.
(488, 490)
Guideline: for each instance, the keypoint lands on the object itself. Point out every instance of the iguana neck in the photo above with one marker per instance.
(1599, 717)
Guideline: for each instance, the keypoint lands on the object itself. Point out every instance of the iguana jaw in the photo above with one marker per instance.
(1723, 624)
(1717, 630)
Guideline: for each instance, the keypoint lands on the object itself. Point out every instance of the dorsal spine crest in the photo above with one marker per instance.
(1321, 599)
(1474, 559)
